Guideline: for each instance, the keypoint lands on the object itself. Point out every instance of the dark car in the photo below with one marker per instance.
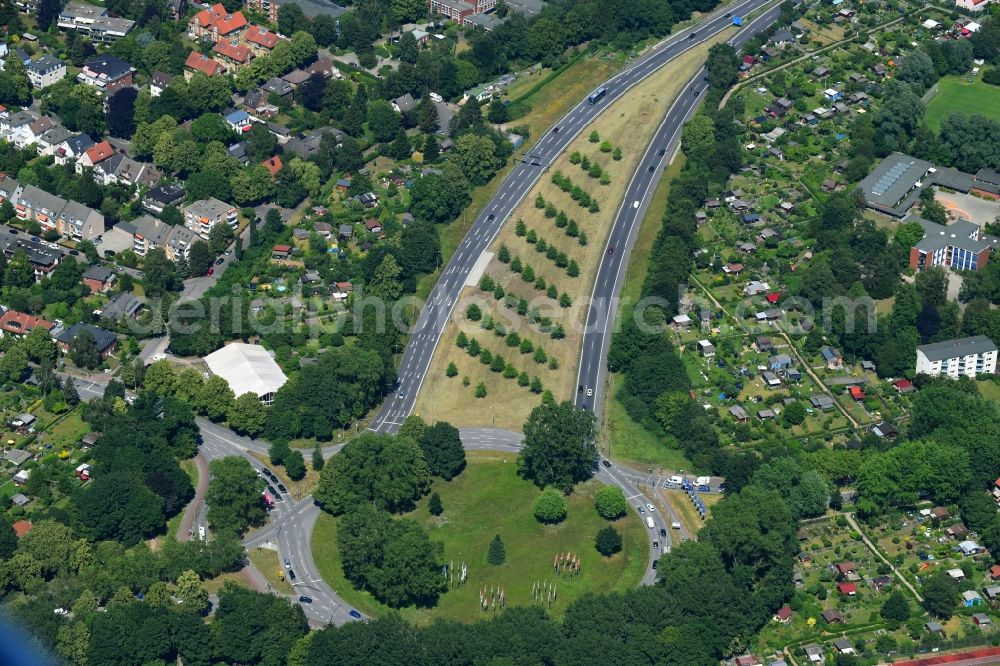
(691, 36)
(75, 253)
(305, 600)
(611, 249)
(282, 488)
(663, 532)
(219, 261)
(656, 544)
(355, 614)
(661, 152)
(728, 15)
(555, 129)
(491, 217)
(291, 574)
(606, 463)
(655, 562)
(697, 92)
(12, 231)
(579, 388)
(652, 169)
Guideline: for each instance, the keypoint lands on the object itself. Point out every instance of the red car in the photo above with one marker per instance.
(209, 273)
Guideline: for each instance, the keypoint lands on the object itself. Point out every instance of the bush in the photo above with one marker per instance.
(550, 507)
(452, 370)
(474, 313)
(434, 505)
(606, 147)
(481, 390)
(610, 502)
(595, 137)
(609, 541)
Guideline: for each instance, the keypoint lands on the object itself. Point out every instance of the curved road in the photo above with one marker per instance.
(437, 310)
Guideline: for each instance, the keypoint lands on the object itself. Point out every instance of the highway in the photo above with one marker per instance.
(608, 283)
(434, 316)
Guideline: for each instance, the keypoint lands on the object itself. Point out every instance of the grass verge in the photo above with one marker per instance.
(488, 498)
(629, 123)
(267, 563)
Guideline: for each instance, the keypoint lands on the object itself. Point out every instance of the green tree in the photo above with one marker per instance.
(559, 446)
(452, 370)
(386, 283)
(295, 465)
(434, 505)
(247, 415)
(317, 459)
(896, 608)
(8, 538)
(442, 449)
(496, 554)
(550, 506)
(940, 594)
(191, 593)
(609, 541)
(233, 497)
(220, 237)
(160, 378)
(610, 502)
(698, 136)
(215, 398)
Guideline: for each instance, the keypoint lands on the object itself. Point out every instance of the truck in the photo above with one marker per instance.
(268, 500)
(649, 522)
(737, 20)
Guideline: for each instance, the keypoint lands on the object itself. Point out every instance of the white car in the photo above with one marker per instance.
(651, 507)
(675, 525)
(590, 392)
(677, 480)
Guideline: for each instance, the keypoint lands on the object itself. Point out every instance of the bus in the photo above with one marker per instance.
(596, 96)
(268, 500)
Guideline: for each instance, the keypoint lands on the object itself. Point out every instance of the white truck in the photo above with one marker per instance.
(649, 522)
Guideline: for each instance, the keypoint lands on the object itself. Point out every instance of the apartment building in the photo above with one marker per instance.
(93, 22)
(268, 8)
(215, 23)
(460, 10)
(79, 222)
(45, 71)
(40, 206)
(106, 73)
(961, 246)
(964, 357)
(204, 214)
(148, 233)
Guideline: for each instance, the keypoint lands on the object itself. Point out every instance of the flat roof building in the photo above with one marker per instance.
(963, 357)
(893, 185)
(961, 246)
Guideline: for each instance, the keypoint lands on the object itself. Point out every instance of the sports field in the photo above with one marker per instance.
(955, 93)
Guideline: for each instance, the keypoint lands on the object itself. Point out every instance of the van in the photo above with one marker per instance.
(649, 522)
(675, 525)
(201, 532)
(703, 481)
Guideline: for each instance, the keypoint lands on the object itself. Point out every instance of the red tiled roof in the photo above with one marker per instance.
(273, 165)
(221, 19)
(372, 224)
(261, 36)
(902, 384)
(784, 613)
(282, 248)
(237, 52)
(16, 322)
(204, 64)
(100, 152)
(856, 392)
(847, 588)
(22, 527)
(773, 297)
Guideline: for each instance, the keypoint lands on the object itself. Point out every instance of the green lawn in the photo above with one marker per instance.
(631, 443)
(957, 94)
(489, 498)
(989, 389)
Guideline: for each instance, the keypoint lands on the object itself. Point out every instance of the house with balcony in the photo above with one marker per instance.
(215, 23)
(268, 8)
(148, 233)
(49, 142)
(124, 170)
(38, 205)
(106, 73)
(105, 341)
(79, 222)
(158, 198)
(159, 82)
(10, 189)
(42, 258)
(963, 357)
(198, 62)
(93, 22)
(12, 124)
(27, 134)
(204, 214)
(232, 55)
(260, 40)
(45, 71)
(73, 148)
(98, 279)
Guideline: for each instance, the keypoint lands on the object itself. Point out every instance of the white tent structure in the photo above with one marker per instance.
(247, 368)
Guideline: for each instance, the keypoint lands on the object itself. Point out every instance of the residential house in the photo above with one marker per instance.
(981, 620)
(45, 71)
(73, 148)
(260, 40)
(19, 324)
(256, 103)
(373, 226)
(239, 121)
(847, 589)
(844, 646)
(770, 379)
(821, 401)
(306, 145)
(282, 133)
(296, 78)
(970, 548)
(963, 357)
(956, 531)
(281, 252)
(404, 104)
(148, 233)
(706, 348)
(49, 142)
(856, 393)
(764, 344)
(158, 198)
(94, 22)
(124, 170)
(325, 68)
(121, 306)
(832, 616)
(215, 23)
(94, 155)
(232, 55)
(198, 62)
(278, 86)
(42, 258)
(159, 82)
(98, 278)
(845, 568)
(40, 206)
(105, 341)
(28, 135)
(885, 430)
(79, 222)
(19, 499)
(972, 5)
(204, 214)
(106, 73)
(814, 654)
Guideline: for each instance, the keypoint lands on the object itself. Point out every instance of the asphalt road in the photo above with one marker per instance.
(434, 317)
(607, 286)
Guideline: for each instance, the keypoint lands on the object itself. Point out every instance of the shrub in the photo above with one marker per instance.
(503, 254)
(462, 341)
(595, 137)
(572, 269)
(498, 364)
(541, 245)
(486, 283)
(558, 333)
(452, 370)
(610, 502)
(481, 390)
(531, 237)
(474, 348)
(606, 147)
(528, 274)
(550, 507)
(509, 371)
(550, 211)
(540, 283)
(522, 379)
(498, 292)
(513, 339)
(466, 381)
(536, 385)
(539, 202)
(520, 229)
(552, 292)
(434, 505)
(565, 301)
(571, 229)
(575, 157)
(582, 238)
(515, 264)
(553, 363)
(617, 154)
(608, 541)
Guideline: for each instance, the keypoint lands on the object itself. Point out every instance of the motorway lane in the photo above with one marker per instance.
(430, 325)
(607, 286)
